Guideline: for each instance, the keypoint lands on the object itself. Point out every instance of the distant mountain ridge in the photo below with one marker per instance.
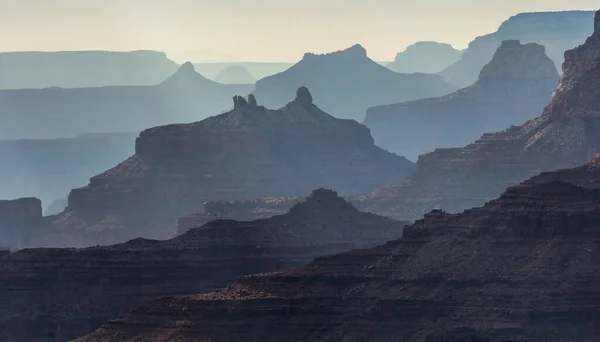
(425, 57)
(83, 69)
(247, 152)
(49, 168)
(345, 83)
(184, 96)
(235, 74)
(556, 31)
(512, 88)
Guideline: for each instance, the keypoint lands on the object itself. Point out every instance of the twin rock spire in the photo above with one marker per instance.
(303, 98)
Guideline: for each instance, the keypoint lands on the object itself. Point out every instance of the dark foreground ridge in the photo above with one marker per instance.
(524, 267)
(59, 294)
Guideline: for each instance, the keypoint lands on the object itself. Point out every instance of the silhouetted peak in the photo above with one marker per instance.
(322, 203)
(597, 23)
(355, 51)
(303, 97)
(187, 67)
(252, 100)
(239, 102)
(186, 74)
(513, 60)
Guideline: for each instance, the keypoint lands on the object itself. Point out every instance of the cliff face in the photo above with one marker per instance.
(249, 152)
(513, 88)
(59, 294)
(20, 219)
(186, 96)
(454, 179)
(425, 57)
(556, 31)
(78, 69)
(564, 136)
(524, 267)
(346, 83)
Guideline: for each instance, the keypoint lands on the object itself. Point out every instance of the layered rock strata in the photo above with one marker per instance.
(524, 267)
(59, 294)
(564, 136)
(249, 152)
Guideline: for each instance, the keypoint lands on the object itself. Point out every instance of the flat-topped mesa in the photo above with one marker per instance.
(248, 152)
(516, 61)
(19, 220)
(82, 288)
(22, 209)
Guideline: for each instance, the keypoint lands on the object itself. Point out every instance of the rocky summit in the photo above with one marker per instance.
(248, 152)
(345, 83)
(59, 294)
(512, 88)
(564, 136)
(524, 267)
(556, 31)
(455, 179)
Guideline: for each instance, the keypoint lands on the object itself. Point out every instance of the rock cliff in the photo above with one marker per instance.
(346, 83)
(524, 267)
(21, 219)
(513, 88)
(564, 136)
(59, 294)
(454, 179)
(556, 31)
(249, 152)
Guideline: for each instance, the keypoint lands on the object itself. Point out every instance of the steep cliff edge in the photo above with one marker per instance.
(454, 179)
(20, 220)
(524, 267)
(512, 88)
(564, 136)
(249, 152)
(556, 31)
(59, 294)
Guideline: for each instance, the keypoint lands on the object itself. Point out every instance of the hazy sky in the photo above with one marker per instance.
(255, 30)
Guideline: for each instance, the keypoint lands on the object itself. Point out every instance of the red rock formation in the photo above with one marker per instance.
(564, 136)
(59, 294)
(249, 152)
(524, 267)
(513, 88)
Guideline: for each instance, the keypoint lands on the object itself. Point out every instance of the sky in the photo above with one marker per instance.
(255, 30)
